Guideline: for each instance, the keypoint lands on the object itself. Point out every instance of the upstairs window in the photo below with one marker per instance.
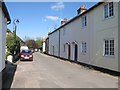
(84, 21)
(109, 10)
(109, 47)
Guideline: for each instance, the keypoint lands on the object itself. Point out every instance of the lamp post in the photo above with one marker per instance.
(15, 27)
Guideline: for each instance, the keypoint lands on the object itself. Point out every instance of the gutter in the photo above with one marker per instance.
(5, 11)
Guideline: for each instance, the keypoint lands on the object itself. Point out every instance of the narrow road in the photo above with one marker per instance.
(49, 72)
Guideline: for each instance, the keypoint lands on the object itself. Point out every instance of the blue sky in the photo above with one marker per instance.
(39, 18)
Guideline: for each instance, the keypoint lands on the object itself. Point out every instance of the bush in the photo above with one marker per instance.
(7, 54)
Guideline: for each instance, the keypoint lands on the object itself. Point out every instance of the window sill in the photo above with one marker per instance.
(109, 56)
(104, 19)
(83, 53)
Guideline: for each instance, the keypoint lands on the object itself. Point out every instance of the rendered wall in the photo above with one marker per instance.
(119, 38)
(74, 33)
(54, 41)
(104, 29)
(94, 34)
(3, 27)
(43, 46)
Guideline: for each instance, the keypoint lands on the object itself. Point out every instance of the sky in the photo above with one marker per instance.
(39, 18)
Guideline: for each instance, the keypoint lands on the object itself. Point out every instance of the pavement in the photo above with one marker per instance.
(50, 72)
(8, 75)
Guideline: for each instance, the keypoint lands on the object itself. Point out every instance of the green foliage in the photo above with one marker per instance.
(7, 54)
(31, 44)
(10, 43)
(8, 31)
(39, 42)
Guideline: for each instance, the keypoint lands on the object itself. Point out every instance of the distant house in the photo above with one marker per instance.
(4, 20)
(91, 37)
(45, 45)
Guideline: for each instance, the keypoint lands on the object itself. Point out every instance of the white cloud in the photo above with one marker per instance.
(55, 18)
(58, 6)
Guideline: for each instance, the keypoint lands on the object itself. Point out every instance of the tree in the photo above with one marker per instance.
(31, 44)
(39, 42)
(8, 31)
(10, 42)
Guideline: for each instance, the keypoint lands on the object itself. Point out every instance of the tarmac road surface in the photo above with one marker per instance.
(49, 72)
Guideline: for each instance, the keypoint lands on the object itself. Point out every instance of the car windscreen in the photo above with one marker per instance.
(26, 51)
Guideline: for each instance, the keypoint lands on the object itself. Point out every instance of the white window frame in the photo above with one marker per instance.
(108, 10)
(84, 47)
(109, 52)
(84, 21)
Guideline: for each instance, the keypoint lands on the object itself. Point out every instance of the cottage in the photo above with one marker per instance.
(45, 45)
(4, 20)
(91, 37)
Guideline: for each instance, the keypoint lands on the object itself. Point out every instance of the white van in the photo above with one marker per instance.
(23, 48)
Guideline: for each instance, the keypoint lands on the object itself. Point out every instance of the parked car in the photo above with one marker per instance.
(36, 50)
(26, 55)
(39, 50)
(32, 51)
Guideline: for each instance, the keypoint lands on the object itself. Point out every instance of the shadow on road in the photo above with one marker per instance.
(26, 60)
(8, 75)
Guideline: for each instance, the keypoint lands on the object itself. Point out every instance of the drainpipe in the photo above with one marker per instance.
(59, 45)
(118, 39)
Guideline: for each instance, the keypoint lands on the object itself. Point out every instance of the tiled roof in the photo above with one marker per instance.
(74, 18)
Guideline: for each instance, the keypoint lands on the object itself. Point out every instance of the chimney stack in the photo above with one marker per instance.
(64, 21)
(81, 9)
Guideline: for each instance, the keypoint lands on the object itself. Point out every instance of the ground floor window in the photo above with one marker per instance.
(109, 47)
(84, 47)
(64, 48)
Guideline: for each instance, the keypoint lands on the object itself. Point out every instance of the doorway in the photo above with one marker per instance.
(75, 53)
(68, 52)
(53, 50)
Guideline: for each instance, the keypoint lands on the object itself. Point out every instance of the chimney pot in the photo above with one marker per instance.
(64, 21)
(81, 9)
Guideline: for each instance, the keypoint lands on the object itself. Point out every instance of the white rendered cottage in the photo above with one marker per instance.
(4, 20)
(91, 37)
